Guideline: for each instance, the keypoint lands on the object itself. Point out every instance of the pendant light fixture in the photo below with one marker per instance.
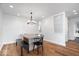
(31, 21)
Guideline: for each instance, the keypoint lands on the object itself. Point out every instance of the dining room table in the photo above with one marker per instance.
(30, 38)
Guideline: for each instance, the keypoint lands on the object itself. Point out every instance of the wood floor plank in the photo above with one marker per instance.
(50, 49)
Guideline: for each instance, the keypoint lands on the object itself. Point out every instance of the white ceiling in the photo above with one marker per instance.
(40, 9)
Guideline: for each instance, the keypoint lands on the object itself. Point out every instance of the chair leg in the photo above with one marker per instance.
(42, 49)
(16, 43)
(37, 49)
(28, 50)
(21, 51)
(33, 47)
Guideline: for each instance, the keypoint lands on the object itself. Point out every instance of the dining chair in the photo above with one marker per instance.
(38, 41)
(23, 44)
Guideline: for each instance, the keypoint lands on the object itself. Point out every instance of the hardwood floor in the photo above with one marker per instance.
(50, 49)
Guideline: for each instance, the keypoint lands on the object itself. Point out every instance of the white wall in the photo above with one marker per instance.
(72, 27)
(13, 26)
(48, 27)
(0, 28)
(0, 21)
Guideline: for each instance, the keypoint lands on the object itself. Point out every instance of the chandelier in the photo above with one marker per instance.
(31, 21)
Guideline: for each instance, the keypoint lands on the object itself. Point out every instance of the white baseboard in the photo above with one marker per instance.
(56, 43)
(2, 44)
(9, 42)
